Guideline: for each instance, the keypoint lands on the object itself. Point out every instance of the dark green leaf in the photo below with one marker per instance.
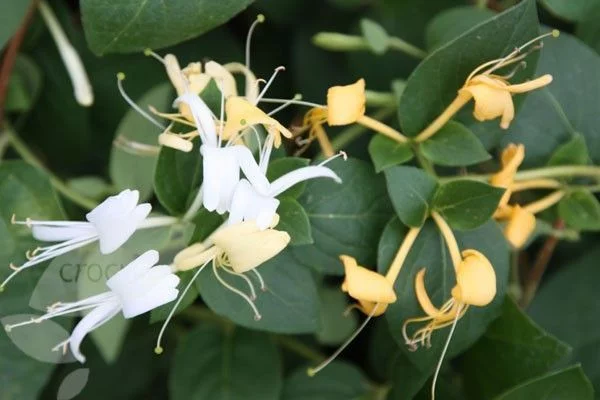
(411, 191)
(290, 303)
(520, 350)
(25, 192)
(24, 85)
(565, 306)
(564, 109)
(430, 252)
(336, 325)
(294, 221)
(465, 203)
(376, 37)
(569, 383)
(345, 218)
(92, 187)
(386, 152)
(451, 23)
(573, 152)
(435, 82)
(454, 145)
(177, 178)
(136, 25)
(580, 210)
(569, 10)
(281, 167)
(339, 381)
(13, 12)
(131, 168)
(217, 363)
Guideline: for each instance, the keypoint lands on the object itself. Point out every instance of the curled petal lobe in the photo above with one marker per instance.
(224, 78)
(96, 318)
(346, 104)
(475, 280)
(292, 178)
(520, 226)
(135, 270)
(363, 284)
(492, 100)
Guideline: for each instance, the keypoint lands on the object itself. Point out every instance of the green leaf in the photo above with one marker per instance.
(386, 152)
(24, 85)
(423, 100)
(294, 220)
(345, 218)
(177, 178)
(282, 166)
(565, 306)
(573, 152)
(336, 326)
(290, 303)
(216, 363)
(375, 35)
(580, 210)
(429, 251)
(93, 187)
(519, 348)
(569, 383)
(466, 204)
(13, 12)
(454, 145)
(411, 191)
(25, 192)
(339, 381)
(131, 168)
(569, 10)
(564, 109)
(136, 25)
(451, 23)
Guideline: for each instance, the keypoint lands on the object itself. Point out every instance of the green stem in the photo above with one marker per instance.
(4, 143)
(353, 132)
(380, 99)
(399, 44)
(28, 156)
(424, 162)
(546, 172)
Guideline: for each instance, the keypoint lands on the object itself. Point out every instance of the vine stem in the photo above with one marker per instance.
(539, 173)
(28, 156)
(10, 56)
(539, 267)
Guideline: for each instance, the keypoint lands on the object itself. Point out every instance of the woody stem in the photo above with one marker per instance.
(461, 99)
(403, 250)
(448, 238)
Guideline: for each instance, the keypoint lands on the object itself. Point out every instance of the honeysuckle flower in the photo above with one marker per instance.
(491, 93)
(236, 249)
(475, 286)
(519, 227)
(110, 224)
(139, 287)
(511, 159)
(373, 291)
(345, 105)
(81, 84)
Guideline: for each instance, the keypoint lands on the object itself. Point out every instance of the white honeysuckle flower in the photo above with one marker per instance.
(138, 288)
(111, 223)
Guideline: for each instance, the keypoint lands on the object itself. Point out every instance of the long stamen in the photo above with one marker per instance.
(288, 103)
(516, 68)
(120, 79)
(292, 101)
(269, 82)
(243, 295)
(150, 53)
(244, 277)
(340, 154)
(158, 349)
(439, 365)
(263, 287)
(259, 20)
(314, 371)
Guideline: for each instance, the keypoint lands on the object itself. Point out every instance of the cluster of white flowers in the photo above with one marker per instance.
(234, 182)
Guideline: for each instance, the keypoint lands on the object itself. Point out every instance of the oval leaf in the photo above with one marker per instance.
(580, 210)
(386, 152)
(454, 145)
(411, 191)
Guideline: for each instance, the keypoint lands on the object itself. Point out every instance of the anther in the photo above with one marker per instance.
(13, 267)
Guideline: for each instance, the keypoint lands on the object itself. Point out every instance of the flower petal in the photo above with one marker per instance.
(97, 317)
(292, 178)
(203, 117)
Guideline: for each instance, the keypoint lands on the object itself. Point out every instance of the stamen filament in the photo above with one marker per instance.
(244, 277)
(243, 295)
(259, 20)
(120, 78)
(158, 349)
(285, 105)
(150, 53)
(339, 154)
(263, 287)
(313, 371)
(291, 101)
(175, 117)
(439, 365)
(268, 84)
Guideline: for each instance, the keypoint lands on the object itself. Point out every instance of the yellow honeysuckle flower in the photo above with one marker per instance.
(241, 114)
(520, 225)
(512, 157)
(367, 287)
(491, 93)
